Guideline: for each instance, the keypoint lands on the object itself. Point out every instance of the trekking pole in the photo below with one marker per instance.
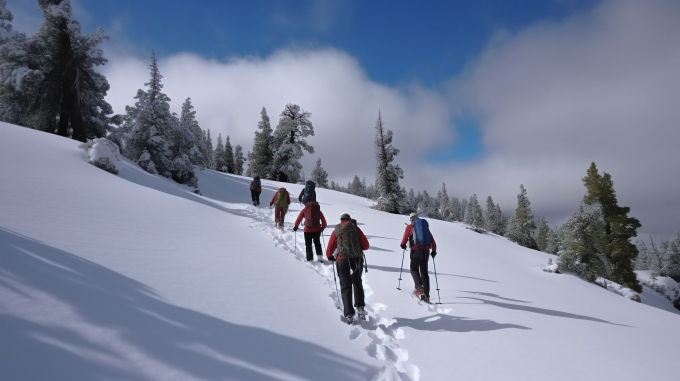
(435, 278)
(402, 268)
(296, 243)
(335, 280)
(365, 262)
(324, 241)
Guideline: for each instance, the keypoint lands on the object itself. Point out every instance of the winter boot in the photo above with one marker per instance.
(361, 312)
(420, 293)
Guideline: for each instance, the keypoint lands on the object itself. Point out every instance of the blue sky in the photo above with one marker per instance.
(395, 41)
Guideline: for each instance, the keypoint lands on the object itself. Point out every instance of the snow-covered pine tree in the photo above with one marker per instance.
(410, 202)
(492, 218)
(239, 160)
(219, 156)
(319, 175)
(289, 142)
(619, 228)
(473, 215)
(148, 126)
(387, 174)
(424, 206)
(463, 209)
(456, 213)
(356, 187)
(209, 151)
(260, 163)
(192, 136)
(543, 231)
(554, 241)
(444, 203)
(5, 17)
(249, 171)
(522, 224)
(48, 81)
(503, 220)
(583, 243)
(671, 258)
(229, 156)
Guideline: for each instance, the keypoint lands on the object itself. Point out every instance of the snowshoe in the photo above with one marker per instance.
(361, 313)
(349, 319)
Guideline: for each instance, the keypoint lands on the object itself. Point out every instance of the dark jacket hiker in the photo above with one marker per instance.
(346, 245)
(255, 190)
(308, 193)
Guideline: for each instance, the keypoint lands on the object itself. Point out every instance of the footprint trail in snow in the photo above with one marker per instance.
(384, 345)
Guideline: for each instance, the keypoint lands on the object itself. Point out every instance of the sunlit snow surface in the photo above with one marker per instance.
(135, 277)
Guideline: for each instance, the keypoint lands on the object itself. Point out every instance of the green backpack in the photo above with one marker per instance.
(348, 240)
(282, 198)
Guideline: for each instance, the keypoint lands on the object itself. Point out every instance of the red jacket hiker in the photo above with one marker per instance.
(333, 242)
(308, 220)
(407, 235)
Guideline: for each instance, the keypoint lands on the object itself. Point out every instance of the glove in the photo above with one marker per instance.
(295, 228)
(331, 258)
(433, 253)
(270, 205)
(403, 247)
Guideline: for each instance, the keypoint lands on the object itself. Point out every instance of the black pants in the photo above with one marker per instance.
(255, 195)
(316, 238)
(419, 273)
(349, 278)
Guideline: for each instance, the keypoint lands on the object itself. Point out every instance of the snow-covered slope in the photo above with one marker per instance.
(134, 277)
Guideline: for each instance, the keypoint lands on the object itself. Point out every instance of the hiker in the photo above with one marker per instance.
(420, 241)
(346, 245)
(281, 199)
(255, 190)
(315, 223)
(308, 193)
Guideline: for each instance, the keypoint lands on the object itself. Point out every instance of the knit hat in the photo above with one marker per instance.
(345, 216)
(413, 216)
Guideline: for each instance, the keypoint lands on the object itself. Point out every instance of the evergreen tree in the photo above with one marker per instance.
(444, 203)
(387, 174)
(356, 187)
(219, 155)
(492, 217)
(190, 139)
(619, 228)
(456, 210)
(229, 156)
(554, 241)
(503, 220)
(289, 142)
(249, 170)
(260, 164)
(463, 209)
(209, 151)
(584, 244)
(542, 234)
(149, 126)
(319, 175)
(48, 81)
(671, 258)
(473, 215)
(522, 224)
(239, 160)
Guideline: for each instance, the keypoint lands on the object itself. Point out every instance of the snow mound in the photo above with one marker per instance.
(103, 153)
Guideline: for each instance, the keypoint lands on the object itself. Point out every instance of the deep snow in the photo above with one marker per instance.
(135, 277)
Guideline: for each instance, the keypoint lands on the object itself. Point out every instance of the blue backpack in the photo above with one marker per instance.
(421, 232)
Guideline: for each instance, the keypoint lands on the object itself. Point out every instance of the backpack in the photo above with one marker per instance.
(421, 232)
(310, 193)
(313, 215)
(282, 198)
(348, 240)
(256, 184)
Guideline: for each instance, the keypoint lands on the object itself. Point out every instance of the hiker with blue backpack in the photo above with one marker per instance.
(420, 241)
(255, 190)
(308, 193)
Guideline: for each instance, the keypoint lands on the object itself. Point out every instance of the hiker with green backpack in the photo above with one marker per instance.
(281, 200)
(346, 246)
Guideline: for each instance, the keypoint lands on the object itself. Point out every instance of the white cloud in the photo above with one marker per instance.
(602, 86)
(344, 103)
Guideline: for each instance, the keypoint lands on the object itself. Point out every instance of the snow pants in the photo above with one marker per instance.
(255, 195)
(421, 278)
(313, 237)
(280, 214)
(349, 278)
